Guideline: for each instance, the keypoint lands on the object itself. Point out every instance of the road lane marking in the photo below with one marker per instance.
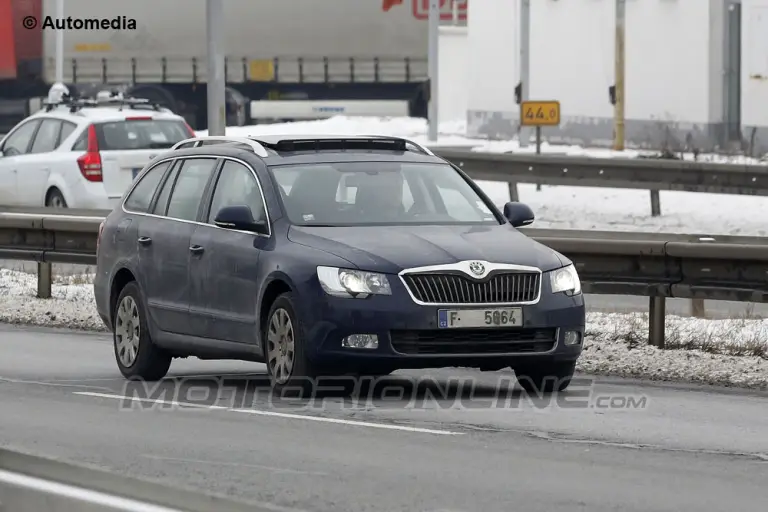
(320, 419)
(80, 494)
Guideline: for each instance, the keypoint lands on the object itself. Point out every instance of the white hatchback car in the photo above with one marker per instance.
(84, 153)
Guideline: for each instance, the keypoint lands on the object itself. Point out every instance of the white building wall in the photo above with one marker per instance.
(494, 64)
(673, 71)
(754, 68)
(452, 75)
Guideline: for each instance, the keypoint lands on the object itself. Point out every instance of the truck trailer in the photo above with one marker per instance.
(362, 50)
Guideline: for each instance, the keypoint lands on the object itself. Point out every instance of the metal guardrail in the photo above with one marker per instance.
(35, 484)
(657, 265)
(641, 173)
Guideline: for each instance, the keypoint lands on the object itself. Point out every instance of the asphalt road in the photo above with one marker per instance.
(685, 448)
(602, 303)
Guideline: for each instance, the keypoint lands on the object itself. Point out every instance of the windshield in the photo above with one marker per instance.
(371, 193)
(141, 134)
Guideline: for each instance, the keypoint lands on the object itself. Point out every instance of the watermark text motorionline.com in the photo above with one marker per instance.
(70, 23)
(370, 393)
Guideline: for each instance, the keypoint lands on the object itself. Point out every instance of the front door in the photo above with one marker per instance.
(15, 151)
(224, 273)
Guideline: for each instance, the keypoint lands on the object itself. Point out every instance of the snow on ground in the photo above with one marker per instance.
(720, 352)
(566, 207)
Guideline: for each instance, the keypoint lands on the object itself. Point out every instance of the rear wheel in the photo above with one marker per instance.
(136, 354)
(55, 199)
(285, 348)
(546, 378)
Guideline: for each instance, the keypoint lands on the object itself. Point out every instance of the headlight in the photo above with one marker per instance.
(341, 282)
(566, 280)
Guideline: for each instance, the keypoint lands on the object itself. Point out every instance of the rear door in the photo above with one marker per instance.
(127, 146)
(164, 244)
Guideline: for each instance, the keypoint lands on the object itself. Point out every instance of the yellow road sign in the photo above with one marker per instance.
(540, 113)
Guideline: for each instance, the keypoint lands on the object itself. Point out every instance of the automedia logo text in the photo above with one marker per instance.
(70, 23)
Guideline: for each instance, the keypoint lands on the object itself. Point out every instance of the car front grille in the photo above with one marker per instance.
(473, 341)
(500, 288)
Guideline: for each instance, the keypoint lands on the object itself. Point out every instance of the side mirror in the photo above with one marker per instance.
(240, 218)
(518, 214)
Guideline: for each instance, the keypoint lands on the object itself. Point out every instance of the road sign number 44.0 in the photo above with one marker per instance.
(540, 113)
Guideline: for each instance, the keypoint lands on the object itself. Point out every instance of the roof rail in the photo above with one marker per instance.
(77, 104)
(418, 147)
(198, 141)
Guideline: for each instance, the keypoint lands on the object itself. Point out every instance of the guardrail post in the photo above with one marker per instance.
(697, 308)
(513, 195)
(656, 316)
(44, 280)
(655, 204)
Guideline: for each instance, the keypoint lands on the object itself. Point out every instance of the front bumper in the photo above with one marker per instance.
(409, 336)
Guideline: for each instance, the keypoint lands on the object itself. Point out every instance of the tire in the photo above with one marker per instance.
(148, 361)
(546, 378)
(289, 369)
(55, 199)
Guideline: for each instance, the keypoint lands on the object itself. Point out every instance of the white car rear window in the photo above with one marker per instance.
(141, 134)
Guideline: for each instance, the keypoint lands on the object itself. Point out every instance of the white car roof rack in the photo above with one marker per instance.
(198, 141)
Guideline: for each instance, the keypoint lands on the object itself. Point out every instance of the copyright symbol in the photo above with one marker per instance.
(29, 22)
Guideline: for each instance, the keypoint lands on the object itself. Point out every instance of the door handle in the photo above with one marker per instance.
(196, 249)
(145, 240)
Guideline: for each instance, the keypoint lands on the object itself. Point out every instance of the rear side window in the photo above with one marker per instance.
(141, 134)
(141, 196)
(190, 186)
(161, 205)
(66, 130)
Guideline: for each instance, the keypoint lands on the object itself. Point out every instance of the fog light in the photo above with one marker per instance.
(361, 341)
(572, 338)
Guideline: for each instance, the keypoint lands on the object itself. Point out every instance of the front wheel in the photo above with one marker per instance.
(285, 348)
(136, 354)
(546, 378)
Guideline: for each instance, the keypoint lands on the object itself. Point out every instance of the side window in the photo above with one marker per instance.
(81, 144)
(66, 130)
(141, 196)
(237, 187)
(161, 206)
(190, 186)
(18, 142)
(47, 136)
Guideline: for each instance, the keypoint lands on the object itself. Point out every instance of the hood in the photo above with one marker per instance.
(390, 249)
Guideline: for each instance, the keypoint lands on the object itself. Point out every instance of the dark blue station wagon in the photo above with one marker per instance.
(330, 256)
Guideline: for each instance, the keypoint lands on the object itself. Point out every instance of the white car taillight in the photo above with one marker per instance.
(90, 162)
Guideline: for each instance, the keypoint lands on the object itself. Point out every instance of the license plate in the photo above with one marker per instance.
(136, 172)
(472, 318)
